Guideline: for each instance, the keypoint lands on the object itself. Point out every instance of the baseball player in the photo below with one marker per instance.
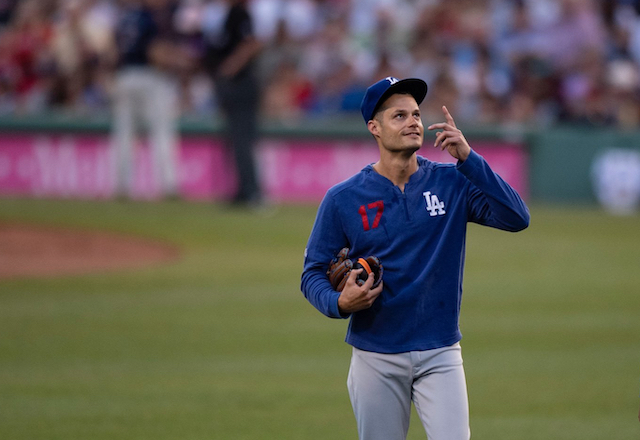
(410, 213)
(146, 90)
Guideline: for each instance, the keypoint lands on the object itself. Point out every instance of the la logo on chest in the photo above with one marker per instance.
(434, 205)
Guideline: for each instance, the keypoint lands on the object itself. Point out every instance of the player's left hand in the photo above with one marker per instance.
(356, 296)
(450, 137)
(341, 267)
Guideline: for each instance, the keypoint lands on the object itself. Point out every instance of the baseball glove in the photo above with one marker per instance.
(340, 267)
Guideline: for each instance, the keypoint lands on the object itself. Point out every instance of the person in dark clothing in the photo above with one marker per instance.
(231, 50)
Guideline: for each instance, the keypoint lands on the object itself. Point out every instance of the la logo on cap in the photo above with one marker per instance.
(392, 80)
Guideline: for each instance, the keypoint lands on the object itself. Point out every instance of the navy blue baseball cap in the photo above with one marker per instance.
(378, 93)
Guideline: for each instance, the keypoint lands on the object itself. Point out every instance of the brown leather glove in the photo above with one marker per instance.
(340, 267)
(339, 270)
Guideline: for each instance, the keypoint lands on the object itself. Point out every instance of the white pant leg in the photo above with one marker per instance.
(161, 114)
(380, 391)
(123, 132)
(440, 393)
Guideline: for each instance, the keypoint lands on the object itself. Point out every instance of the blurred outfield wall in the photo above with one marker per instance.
(58, 156)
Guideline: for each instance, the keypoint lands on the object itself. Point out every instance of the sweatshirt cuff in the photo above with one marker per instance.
(468, 166)
(334, 311)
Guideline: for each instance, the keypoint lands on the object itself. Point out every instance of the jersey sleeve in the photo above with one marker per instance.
(325, 241)
(492, 201)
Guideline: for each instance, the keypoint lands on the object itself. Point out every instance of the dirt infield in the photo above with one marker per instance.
(39, 251)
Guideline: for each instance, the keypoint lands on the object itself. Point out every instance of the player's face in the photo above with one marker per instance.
(400, 126)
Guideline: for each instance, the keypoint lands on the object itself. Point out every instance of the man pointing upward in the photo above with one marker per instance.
(412, 214)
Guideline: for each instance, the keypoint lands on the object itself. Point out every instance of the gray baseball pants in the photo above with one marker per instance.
(149, 96)
(382, 387)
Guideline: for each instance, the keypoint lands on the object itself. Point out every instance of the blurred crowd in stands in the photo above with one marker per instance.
(492, 62)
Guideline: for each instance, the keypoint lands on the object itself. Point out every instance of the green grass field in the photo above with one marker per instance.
(222, 344)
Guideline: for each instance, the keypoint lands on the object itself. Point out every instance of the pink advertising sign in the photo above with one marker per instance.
(83, 166)
(304, 170)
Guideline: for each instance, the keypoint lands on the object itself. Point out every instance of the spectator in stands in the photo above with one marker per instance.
(29, 68)
(536, 62)
(7, 7)
(80, 46)
(288, 94)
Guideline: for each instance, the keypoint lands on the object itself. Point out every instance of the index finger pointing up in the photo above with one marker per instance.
(448, 116)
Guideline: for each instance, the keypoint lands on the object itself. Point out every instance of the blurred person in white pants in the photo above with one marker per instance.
(146, 91)
(143, 93)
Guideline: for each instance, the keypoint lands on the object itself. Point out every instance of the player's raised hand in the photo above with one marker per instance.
(450, 137)
(354, 297)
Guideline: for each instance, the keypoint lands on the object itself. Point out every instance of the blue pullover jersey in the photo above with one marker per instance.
(419, 236)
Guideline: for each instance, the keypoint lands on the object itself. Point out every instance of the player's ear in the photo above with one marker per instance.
(374, 127)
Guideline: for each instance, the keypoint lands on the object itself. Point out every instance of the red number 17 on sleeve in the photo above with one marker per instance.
(379, 205)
